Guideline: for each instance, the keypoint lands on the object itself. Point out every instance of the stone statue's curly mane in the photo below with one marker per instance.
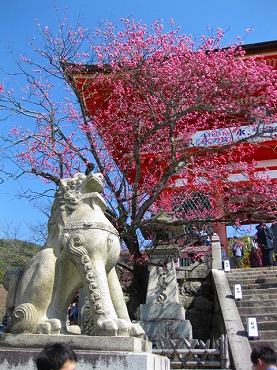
(66, 201)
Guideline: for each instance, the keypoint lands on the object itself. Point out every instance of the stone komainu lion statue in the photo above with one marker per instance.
(81, 250)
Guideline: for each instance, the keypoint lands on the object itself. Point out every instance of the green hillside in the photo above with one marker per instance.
(15, 253)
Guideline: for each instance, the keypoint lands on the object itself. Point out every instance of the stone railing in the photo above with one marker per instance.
(195, 354)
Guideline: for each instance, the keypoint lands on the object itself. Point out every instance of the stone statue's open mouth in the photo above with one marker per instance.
(92, 183)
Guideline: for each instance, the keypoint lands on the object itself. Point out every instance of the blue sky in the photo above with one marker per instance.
(17, 23)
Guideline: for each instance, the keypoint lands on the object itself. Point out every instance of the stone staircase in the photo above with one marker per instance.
(259, 291)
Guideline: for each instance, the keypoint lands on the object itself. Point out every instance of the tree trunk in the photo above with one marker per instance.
(137, 290)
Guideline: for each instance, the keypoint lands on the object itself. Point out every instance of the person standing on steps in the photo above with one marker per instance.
(73, 317)
(254, 258)
(265, 238)
(274, 232)
(236, 258)
(224, 255)
(263, 358)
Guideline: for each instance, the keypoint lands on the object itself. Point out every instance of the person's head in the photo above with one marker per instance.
(57, 356)
(262, 357)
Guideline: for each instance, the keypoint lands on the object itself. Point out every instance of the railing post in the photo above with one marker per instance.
(216, 253)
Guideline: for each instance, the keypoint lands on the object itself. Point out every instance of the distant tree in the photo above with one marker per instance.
(15, 253)
(151, 94)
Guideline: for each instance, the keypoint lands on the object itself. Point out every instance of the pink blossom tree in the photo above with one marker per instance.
(162, 116)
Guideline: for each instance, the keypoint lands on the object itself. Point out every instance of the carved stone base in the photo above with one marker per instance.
(165, 311)
(164, 321)
(166, 330)
(98, 353)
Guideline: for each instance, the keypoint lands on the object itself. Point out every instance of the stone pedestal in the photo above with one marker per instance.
(163, 316)
(98, 353)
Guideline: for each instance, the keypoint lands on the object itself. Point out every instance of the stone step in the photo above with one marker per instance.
(252, 279)
(261, 342)
(247, 286)
(261, 317)
(268, 293)
(247, 293)
(253, 270)
(268, 334)
(257, 296)
(252, 310)
(245, 303)
(265, 335)
(259, 291)
(256, 279)
(267, 290)
(257, 312)
(265, 326)
(243, 276)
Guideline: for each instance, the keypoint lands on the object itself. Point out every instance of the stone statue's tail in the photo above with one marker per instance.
(10, 282)
(23, 320)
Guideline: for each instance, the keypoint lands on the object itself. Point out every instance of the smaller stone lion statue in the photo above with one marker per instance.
(81, 251)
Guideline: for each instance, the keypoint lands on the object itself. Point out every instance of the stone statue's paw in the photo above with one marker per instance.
(50, 326)
(123, 328)
(55, 326)
(42, 328)
(137, 331)
(72, 329)
(106, 327)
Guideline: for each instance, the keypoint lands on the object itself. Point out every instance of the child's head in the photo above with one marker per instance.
(263, 357)
(57, 356)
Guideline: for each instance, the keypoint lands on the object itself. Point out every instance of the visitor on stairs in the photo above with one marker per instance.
(264, 238)
(236, 258)
(263, 358)
(254, 257)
